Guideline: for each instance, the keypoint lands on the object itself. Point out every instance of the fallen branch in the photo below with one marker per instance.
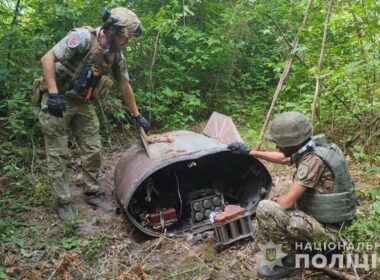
(349, 253)
(338, 274)
(341, 274)
(312, 274)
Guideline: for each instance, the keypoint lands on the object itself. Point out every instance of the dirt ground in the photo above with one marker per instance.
(101, 245)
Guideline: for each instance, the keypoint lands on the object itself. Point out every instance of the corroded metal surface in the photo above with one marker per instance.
(135, 165)
(174, 148)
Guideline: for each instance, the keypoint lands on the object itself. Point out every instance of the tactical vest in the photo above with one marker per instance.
(339, 206)
(68, 71)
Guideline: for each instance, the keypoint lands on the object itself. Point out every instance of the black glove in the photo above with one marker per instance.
(140, 121)
(56, 107)
(239, 147)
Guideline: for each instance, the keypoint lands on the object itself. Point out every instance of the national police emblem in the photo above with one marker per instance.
(270, 254)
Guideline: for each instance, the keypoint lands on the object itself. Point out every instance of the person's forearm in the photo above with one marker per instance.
(275, 157)
(129, 97)
(48, 69)
(289, 199)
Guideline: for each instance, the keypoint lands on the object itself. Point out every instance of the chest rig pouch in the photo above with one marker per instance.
(88, 79)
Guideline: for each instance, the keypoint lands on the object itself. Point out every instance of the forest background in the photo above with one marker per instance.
(196, 57)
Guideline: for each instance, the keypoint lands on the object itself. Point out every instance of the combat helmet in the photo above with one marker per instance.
(126, 22)
(289, 129)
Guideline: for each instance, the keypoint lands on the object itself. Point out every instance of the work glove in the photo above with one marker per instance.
(239, 147)
(140, 121)
(56, 107)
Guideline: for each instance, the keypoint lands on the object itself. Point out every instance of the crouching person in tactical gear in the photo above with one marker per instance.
(321, 196)
(75, 72)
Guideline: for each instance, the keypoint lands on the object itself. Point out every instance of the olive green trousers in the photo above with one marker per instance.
(81, 120)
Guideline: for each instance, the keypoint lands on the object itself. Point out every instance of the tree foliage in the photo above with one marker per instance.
(197, 56)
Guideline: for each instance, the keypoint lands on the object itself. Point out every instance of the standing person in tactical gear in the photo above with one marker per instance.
(75, 72)
(322, 193)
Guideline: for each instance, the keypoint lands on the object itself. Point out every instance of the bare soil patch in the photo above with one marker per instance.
(104, 245)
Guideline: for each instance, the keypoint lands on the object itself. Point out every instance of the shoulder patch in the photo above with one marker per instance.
(302, 171)
(73, 42)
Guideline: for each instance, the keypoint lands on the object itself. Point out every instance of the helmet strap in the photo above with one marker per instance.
(307, 148)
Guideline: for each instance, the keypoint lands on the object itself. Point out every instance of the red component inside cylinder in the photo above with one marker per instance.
(166, 214)
(230, 212)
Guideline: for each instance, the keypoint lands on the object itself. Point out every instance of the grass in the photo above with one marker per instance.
(35, 244)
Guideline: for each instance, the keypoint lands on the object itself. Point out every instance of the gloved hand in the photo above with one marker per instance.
(140, 121)
(239, 147)
(56, 107)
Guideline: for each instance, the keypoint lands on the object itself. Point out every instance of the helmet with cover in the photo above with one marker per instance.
(124, 20)
(289, 129)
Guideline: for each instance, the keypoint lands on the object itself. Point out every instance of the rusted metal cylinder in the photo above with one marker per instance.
(193, 159)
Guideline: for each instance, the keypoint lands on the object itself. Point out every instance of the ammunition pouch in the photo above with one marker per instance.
(103, 88)
(38, 89)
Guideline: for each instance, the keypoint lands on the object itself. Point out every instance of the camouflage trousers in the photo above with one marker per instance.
(80, 118)
(286, 227)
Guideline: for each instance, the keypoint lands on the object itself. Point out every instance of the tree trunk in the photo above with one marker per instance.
(151, 67)
(320, 63)
(288, 44)
(285, 72)
(13, 23)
